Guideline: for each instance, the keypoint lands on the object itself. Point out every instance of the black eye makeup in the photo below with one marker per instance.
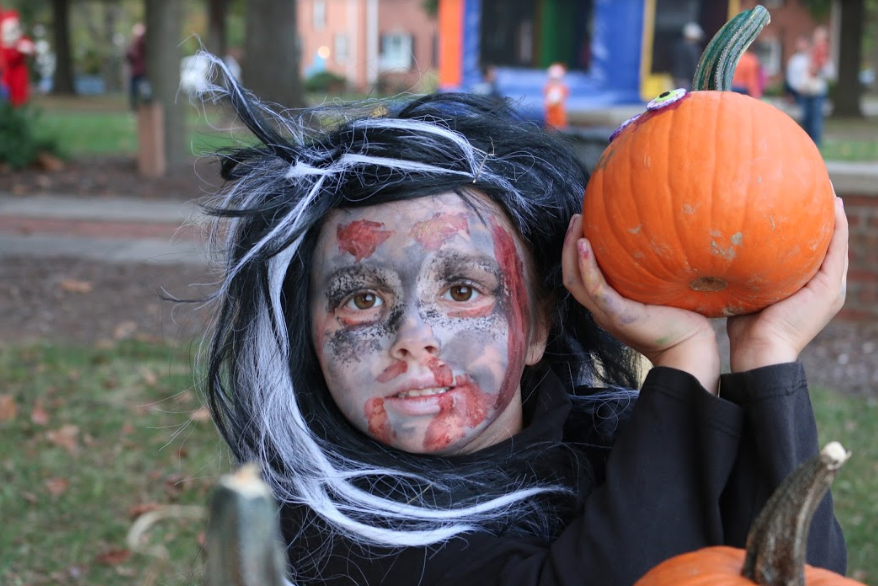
(359, 284)
(478, 272)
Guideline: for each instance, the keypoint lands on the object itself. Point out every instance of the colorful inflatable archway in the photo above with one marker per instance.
(626, 46)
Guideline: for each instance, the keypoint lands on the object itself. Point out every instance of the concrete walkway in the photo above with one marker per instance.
(123, 229)
(111, 229)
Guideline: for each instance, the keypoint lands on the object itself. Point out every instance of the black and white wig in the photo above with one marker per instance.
(265, 387)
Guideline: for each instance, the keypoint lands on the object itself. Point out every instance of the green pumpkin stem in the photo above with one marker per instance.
(717, 64)
(778, 539)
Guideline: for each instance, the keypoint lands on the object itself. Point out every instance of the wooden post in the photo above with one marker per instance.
(151, 160)
(243, 545)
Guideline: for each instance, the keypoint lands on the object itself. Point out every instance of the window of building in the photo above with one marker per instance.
(396, 51)
(770, 56)
(319, 16)
(341, 47)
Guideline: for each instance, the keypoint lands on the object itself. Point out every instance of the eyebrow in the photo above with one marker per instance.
(456, 263)
(355, 270)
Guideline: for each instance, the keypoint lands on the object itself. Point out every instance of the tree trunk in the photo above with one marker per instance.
(62, 78)
(271, 53)
(112, 57)
(216, 27)
(846, 99)
(163, 32)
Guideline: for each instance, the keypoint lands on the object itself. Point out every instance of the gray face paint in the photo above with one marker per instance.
(420, 319)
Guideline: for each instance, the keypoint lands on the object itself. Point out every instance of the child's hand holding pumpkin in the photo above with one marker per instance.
(779, 332)
(667, 336)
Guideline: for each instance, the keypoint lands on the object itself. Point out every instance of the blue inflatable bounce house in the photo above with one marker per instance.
(616, 52)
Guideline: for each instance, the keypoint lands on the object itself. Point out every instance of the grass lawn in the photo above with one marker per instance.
(94, 436)
(94, 126)
(97, 437)
(103, 125)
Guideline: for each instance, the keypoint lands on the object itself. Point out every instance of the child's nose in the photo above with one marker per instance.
(414, 339)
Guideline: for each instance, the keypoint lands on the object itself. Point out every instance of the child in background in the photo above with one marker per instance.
(819, 50)
(555, 95)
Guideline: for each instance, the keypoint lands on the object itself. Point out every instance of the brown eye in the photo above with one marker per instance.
(461, 292)
(365, 300)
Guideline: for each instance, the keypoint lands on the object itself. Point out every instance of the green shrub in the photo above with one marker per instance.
(19, 145)
(325, 81)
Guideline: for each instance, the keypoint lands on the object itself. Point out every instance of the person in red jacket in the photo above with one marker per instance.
(16, 48)
(748, 75)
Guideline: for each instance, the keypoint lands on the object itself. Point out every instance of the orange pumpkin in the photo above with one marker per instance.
(776, 544)
(711, 200)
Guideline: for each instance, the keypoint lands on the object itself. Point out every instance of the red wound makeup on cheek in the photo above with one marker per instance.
(460, 412)
(360, 238)
(441, 372)
(376, 416)
(434, 232)
(515, 308)
(391, 372)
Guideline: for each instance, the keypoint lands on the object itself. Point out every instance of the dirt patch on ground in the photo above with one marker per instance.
(115, 177)
(87, 302)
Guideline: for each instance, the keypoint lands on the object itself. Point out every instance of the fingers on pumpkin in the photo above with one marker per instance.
(604, 296)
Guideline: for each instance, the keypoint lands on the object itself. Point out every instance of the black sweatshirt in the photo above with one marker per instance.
(687, 470)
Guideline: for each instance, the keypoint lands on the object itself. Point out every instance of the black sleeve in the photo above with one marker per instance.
(661, 496)
(688, 470)
(778, 434)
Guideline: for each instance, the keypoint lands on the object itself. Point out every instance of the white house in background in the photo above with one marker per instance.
(368, 42)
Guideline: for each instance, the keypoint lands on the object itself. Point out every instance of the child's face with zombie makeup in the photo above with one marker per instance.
(421, 318)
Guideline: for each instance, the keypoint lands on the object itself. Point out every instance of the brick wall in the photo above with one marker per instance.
(861, 302)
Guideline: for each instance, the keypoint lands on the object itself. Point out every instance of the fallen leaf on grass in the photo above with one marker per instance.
(135, 511)
(38, 414)
(126, 572)
(57, 486)
(75, 286)
(65, 437)
(29, 497)
(124, 330)
(150, 378)
(8, 408)
(111, 557)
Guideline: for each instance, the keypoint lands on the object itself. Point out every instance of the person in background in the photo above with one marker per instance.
(819, 49)
(15, 49)
(797, 69)
(555, 95)
(809, 78)
(748, 75)
(685, 56)
(136, 57)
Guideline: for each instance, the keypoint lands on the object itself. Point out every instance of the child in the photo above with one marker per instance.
(395, 346)
(819, 50)
(555, 95)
